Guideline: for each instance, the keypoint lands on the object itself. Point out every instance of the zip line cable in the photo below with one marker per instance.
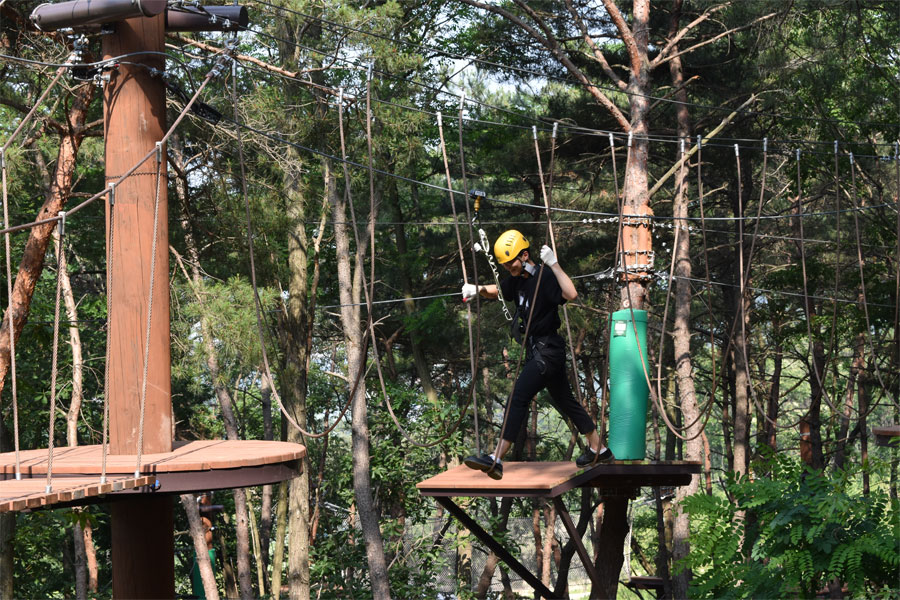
(581, 129)
(716, 142)
(277, 138)
(542, 75)
(854, 211)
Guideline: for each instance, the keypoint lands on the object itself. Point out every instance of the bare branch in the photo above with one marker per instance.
(656, 62)
(598, 54)
(296, 75)
(626, 34)
(684, 31)
(688, 154)
(561, 56)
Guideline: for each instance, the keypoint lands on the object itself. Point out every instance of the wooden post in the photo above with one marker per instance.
(135, 119)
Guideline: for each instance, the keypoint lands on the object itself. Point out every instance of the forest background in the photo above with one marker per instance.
(773, 342)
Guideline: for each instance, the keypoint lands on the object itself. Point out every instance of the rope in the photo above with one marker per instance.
(109, 279)
(370, 326)
(474, 352)
(862, 279)
(546, 196)
(9, 287)
(40, 100)
(897, 276)
(258, 302)
(60, 265)
(146, 366)
(9, 314)
(462, 262)
(806, 300)
(705, 412)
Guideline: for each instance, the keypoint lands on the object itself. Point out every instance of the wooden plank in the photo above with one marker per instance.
(551, 479)
(31, 493)
(885, 435)
(202, 455)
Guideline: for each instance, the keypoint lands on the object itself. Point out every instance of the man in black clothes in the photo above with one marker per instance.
(545, 349)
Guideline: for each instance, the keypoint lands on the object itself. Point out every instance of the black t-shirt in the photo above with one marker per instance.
(520, 290)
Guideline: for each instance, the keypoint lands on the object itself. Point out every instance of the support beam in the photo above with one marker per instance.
(576, 539)
(135, 119)
(495, 546)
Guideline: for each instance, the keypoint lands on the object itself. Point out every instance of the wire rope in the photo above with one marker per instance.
(110, 264)
(548, 76)
(9, 318)
(9, 285)
(862, 280)
(368, 296)
(54, 361)
(474, 349)
(146, 354)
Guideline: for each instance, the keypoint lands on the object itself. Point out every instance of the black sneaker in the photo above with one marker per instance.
(589, 457)
(485, 463)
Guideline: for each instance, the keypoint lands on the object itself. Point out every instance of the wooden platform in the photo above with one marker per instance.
(27, 494)
(191, 466)
(551, 479)
(885, 436)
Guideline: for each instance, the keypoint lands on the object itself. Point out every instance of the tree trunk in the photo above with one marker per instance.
(201, 550)
(294, 338)
(29, 273)
(423, 369)
(350, 283)
(245, 575)
(684, 369)
(281, 519)
(32, 262)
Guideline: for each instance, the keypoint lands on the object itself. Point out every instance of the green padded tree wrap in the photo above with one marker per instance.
(628, 390)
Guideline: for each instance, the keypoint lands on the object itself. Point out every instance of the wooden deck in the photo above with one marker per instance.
(191, 466)
(886, 436)
(551, 479)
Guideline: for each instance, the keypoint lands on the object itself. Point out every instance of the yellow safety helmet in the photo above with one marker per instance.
(509, 245)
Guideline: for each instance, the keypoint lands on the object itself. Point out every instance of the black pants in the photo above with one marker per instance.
(545, 368)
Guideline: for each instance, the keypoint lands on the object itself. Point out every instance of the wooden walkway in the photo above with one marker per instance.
(550, 480)
(191, 466)
(27, 494)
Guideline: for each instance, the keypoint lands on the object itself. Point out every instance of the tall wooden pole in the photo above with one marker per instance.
(135, 119)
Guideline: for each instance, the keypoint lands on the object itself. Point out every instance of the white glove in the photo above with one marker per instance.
(547, 256)
(468, 291)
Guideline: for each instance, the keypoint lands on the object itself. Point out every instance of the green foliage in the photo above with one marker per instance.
(789, 533)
